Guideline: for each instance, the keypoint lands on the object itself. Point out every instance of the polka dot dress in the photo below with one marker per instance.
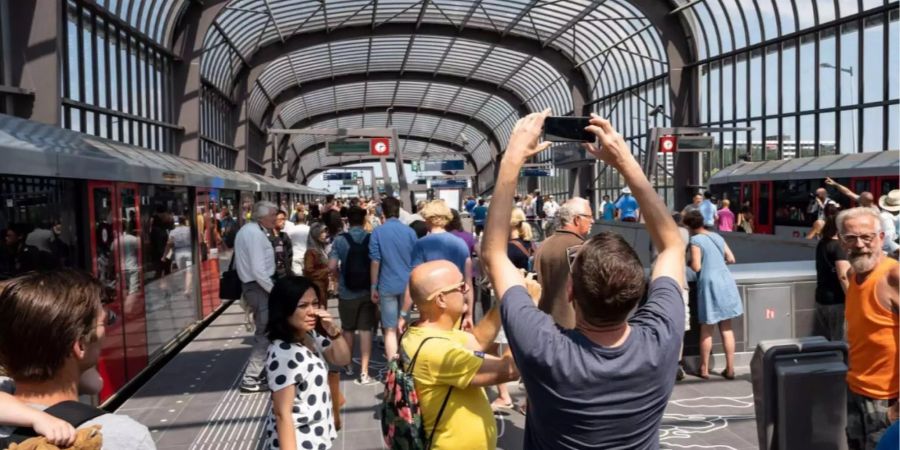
(294, 364)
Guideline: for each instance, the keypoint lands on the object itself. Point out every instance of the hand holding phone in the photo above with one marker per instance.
(567, 129)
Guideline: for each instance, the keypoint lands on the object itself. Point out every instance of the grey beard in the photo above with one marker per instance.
(862, 264)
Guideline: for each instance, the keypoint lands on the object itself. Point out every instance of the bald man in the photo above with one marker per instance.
(452, 362)
(818, 204)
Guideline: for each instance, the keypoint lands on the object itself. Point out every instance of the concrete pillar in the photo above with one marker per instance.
(35, 44)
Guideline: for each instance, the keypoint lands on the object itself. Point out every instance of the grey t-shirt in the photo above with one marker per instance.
(119, 432)
(584, 396)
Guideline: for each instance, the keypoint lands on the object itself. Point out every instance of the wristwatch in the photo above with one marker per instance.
(335, 335)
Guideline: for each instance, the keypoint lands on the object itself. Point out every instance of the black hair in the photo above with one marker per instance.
(283, 302)
(420, 227)
(281, 212)
(390, 207)
(707, 195)
(455, 224)
(480, 201)
(356, 216)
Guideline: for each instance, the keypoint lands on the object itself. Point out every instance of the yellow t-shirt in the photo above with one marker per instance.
(468, 421)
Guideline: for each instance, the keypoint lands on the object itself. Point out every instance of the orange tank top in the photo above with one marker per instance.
(871, 332)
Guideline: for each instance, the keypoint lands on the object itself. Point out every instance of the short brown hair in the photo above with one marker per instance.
(607, 279)
(41, 315)
(693, 219)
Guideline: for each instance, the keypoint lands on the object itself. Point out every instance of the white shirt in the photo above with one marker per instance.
(550, 208)
(254, 257)
(299, 234)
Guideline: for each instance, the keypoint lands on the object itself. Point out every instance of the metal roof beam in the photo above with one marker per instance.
(505, 94)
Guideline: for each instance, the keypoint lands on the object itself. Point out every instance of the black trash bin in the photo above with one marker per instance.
(800, 393)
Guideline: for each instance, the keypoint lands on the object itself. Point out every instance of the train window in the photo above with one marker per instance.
(888, 184)
(170, 269)
(792, 200)
(38, 220)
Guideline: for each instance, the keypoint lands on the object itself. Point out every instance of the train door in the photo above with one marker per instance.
(115, 246)
(759, 196)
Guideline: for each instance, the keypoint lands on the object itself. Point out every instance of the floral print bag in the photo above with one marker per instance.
(402, 424)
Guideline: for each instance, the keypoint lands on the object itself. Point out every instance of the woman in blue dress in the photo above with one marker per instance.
(718, 300)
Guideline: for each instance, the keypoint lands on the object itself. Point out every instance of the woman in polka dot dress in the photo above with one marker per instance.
(304, 340)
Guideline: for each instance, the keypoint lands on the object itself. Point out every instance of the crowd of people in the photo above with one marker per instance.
(596, 342)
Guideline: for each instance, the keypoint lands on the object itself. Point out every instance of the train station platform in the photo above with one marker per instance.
(193, 402)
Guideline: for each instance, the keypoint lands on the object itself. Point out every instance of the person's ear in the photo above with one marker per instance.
(79, 349)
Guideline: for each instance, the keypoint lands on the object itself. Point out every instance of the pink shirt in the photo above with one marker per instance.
(726, 220)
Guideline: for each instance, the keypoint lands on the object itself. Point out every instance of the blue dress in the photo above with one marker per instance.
(717, 293)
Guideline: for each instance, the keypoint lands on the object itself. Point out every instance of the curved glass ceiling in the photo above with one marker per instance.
(154, 18)
(536, 84)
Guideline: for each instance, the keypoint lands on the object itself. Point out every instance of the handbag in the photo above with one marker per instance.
(230, 286)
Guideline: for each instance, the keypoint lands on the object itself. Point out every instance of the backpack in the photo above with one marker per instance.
(402, 424)
(357, 269)
(76, 413)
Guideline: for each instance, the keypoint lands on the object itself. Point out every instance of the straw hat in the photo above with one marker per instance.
(890, 201)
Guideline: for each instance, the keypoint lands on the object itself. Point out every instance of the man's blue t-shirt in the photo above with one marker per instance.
(392, 244)
(584, 396)
(479, 214)
(628, 207)
(708, 210)
(340, 250)
(441, 246)
(609, 211)
(470, 205)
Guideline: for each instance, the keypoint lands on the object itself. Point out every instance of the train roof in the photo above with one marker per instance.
(874, 164)
(35, 149)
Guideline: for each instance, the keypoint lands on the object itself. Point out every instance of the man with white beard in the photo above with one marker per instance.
(872, 320)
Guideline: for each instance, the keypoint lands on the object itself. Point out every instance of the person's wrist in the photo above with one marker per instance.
(404, 315)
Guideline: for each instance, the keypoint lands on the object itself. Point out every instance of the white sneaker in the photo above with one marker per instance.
(365, 380)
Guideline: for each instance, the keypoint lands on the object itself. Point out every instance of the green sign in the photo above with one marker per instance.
(349, 182)
(348, 147)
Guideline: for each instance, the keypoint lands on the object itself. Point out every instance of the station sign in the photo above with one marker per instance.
(347, 147)
(668, 144)
(347, 188)
(338, 176)
(696, 143)
(380, 146)
(534, 172)
(351, 182)
(450, 183)
(440, 166)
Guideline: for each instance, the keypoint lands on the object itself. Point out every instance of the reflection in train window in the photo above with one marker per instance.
(170, 271)
(38, 224)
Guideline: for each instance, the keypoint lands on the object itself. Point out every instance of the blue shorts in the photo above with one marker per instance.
(390, 310)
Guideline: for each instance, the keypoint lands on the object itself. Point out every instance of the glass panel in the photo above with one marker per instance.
(772, 80)
(893, 134)
(807, 61)
(848, 131)
(827, 134)
(789, 78)
(807, 136)
(894, 56)
(129, 248)
(765, 195)
(756, 83)
(827, 69)
(771, 152)
(849, 63)
(872, 142)
(169, 272)
(789, 137)
(873, 59)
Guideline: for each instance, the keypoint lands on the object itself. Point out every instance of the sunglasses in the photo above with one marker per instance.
(462, 287)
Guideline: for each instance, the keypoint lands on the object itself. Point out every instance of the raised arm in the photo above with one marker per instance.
(842, 189)
(663, 232)
(523, 144)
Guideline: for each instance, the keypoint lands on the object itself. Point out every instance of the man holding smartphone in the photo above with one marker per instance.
(573, 376)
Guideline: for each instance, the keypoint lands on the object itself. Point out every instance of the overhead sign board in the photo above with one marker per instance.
(696, 143)
(450, 183)
(337, 176)
(533, 172)
(440, 166)
(348, 147)
(380, 146)
(350, 182)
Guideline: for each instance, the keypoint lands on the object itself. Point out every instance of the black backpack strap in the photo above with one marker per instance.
(73, 412)
(412, 365)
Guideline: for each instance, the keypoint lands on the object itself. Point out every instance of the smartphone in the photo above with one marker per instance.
(567, 129)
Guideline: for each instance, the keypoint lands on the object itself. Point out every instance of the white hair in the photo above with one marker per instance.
(263, 208)
(569, 210)
(854, 213)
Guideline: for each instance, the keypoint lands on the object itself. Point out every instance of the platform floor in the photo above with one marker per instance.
(193, 403)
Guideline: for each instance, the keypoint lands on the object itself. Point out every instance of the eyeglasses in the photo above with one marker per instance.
(572, 254)
(462, 287)
(587, 216)
(852, 238)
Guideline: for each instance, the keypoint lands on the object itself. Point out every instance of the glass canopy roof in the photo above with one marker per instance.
(609, 42)
(155, 19)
